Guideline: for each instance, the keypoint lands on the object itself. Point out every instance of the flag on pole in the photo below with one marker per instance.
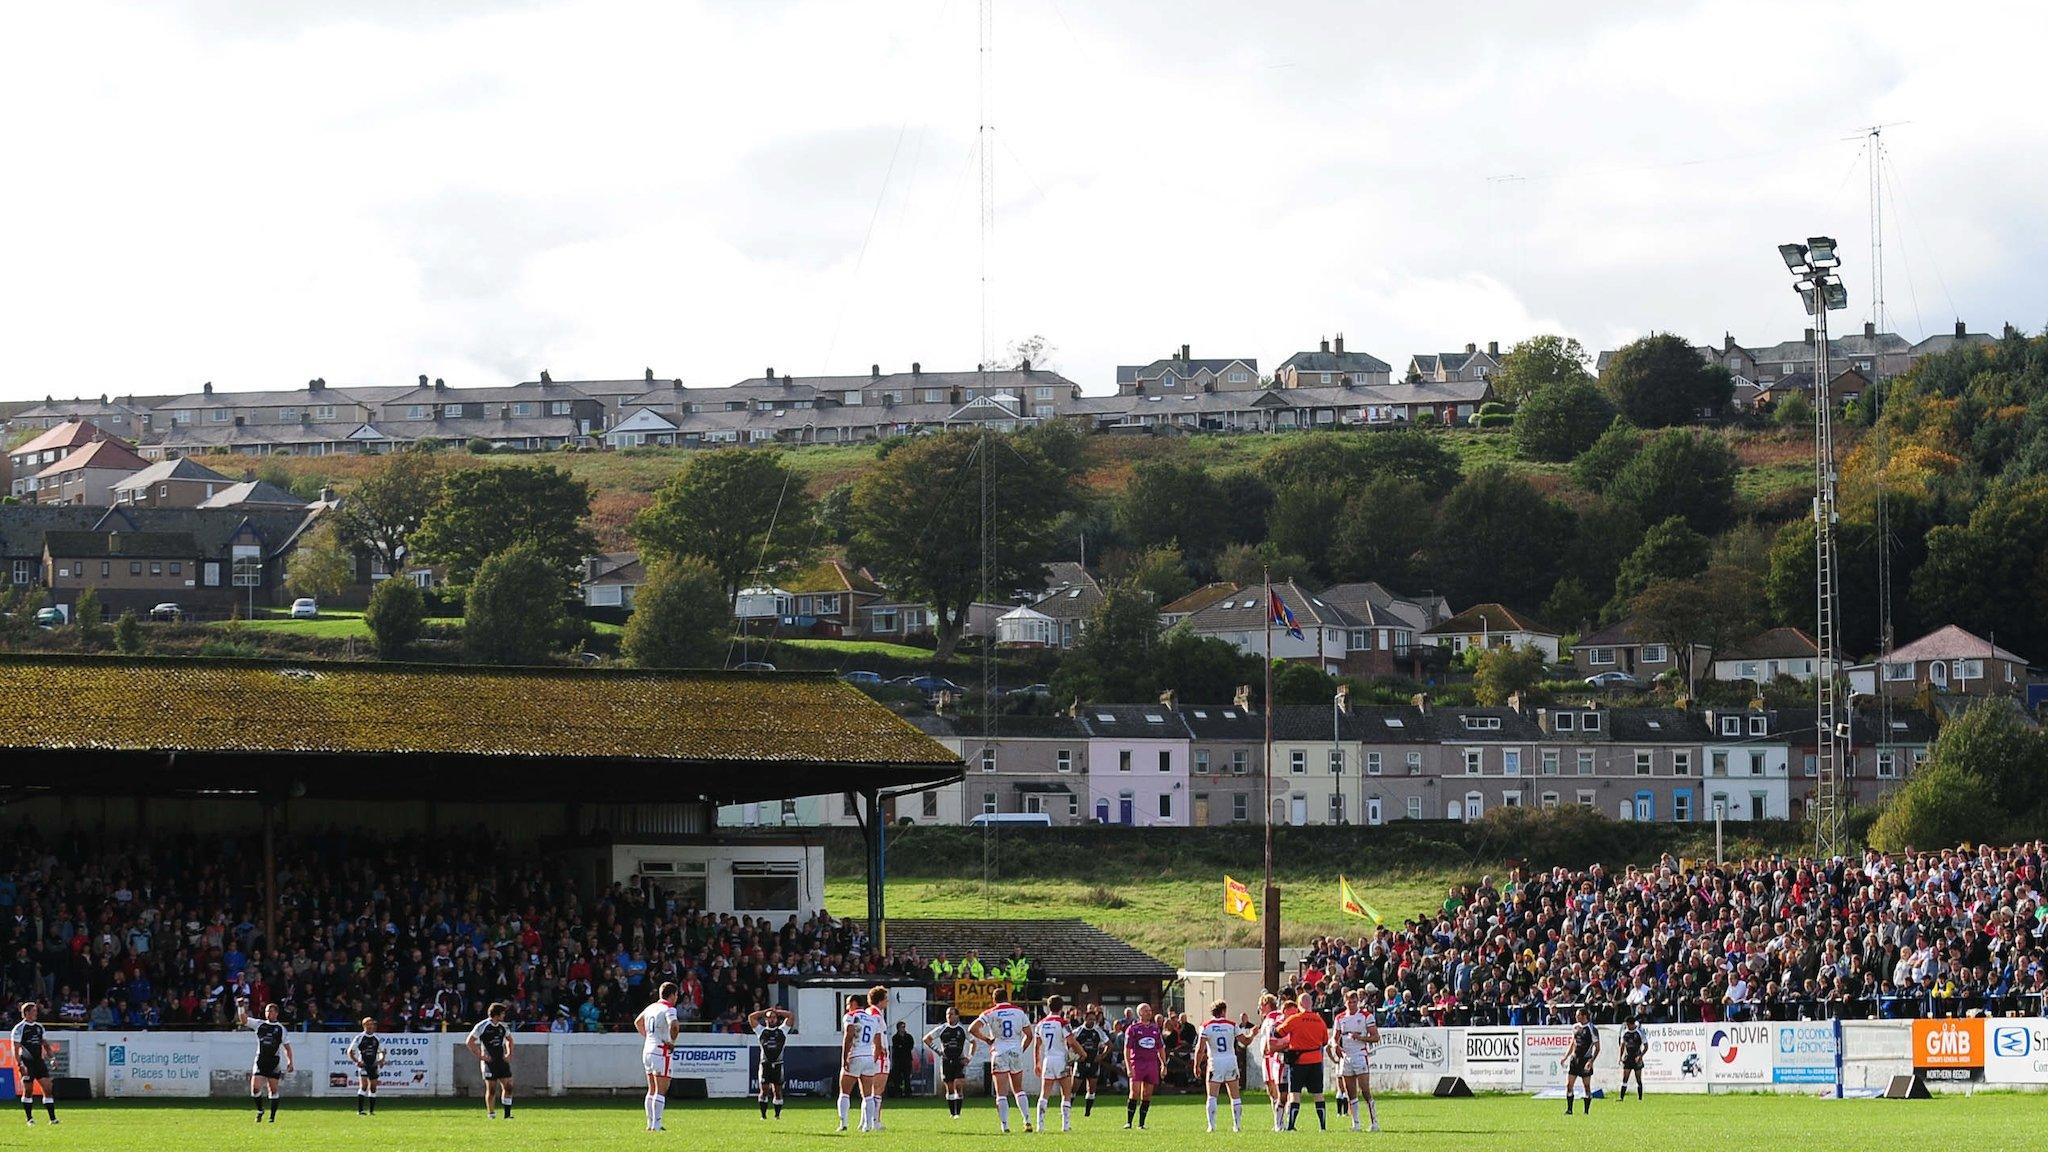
(1279, 613)
(1237, 901)
(1352, 905)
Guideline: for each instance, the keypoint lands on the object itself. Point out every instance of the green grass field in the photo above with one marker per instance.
(1162, 916)
(1984, 1123)
(862, 648)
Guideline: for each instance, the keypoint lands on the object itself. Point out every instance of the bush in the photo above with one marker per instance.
(513, 612)
(478, 446)
(680, 619)
(1494, 420)
(1561, 421)
(395, 616)
(128, 633)
(1794, 411)
(87, 620)
(427, 444)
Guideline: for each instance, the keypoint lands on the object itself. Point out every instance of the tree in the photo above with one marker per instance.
(1498, 538)
(485, 511)
(1661, 380)
(1680, 472)
(1503, 672)
(1986, 779)
(513, 613)
(1538, 363)
(1670, 550)
(1160, 573)
(1382, 532)
(380, 514)
(1794, 411)
(1597, 466)
(128, 634)
(1571, 604)
(322, 566)
(1297, 683)
(1247, 564)
(1202, 669)
(1171, 502)
(1351, 460)
(738, 509)
(1113, 658)
(1989, 574)
(1034, 351)
(396, 615)
(1560, 421)
(681, 617)
(1243, 503)
(918, 523)
(88, 621)
(1713, 610)
(1304, 514)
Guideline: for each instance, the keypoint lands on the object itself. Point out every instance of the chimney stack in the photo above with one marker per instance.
(650, 376)
(1870, 329)
(1809, 336)
(771, 372)
(1515, 702)
(545, 378)
(1340, 344)
(1493, 349)
(423, 379)
(1961, 330)
(1344, 699)
(1168, 699)
(916, 369)
(1024, 365)
(1421, 702)
(207, 388)
(1326, 344)
(1471, 348)
(440, 385)
(1243, 697)
(1184, 352)
(874, 371)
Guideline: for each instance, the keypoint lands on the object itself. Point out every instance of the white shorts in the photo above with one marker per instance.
(1222, 1071)
(863, 1064)
(655, 1061)
(1053, 1066)
(1007, 1061)
(1354, 1066)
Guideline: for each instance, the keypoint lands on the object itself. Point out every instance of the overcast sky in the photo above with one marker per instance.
(259, 193)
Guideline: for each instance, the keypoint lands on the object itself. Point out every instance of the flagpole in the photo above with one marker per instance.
(1271, 938)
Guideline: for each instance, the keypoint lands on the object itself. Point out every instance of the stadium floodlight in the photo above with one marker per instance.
(1795, 257)
(1821, 251)
(1836, 295)
(1806, 297)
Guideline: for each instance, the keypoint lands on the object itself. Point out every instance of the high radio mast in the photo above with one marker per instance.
(984, 140)
(1880, 450)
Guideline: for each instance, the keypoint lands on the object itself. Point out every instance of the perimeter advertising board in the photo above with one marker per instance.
(1492, 1057)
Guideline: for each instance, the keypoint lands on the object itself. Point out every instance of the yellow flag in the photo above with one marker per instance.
(1237, 901)
(1352, 905)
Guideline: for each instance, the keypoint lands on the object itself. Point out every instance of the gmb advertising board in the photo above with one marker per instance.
(1491, 1057)
(1803, 1053)
(1738, 1055)
(2016, 1051)
(406, 1067)
(156, 1066)
(1675, 1057)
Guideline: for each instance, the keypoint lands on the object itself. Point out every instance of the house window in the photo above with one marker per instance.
(1758, 725)
(177, 568)
(1166, 805)
(522, 408)
(1565, 721)
(1034, 803)
(1585, 763)
(849, 806)
(106, 569)
(1372, 763)
(1887, 764)
(1731, 725)
(288, 415)
(1043, 392)
(1756, 763)
(988, 802)
(1297, 762)
(1240, 761)
(1511, 762)
(1969, 669)
(415, 411)
(928, 805)
(1063, 760)
(1237, 377)
(558, 408)
(1599, 655)
(1240, 808)
(1336, 807)
(988, 759)
(1591, 723)
(1809, 764)
(323, 412)
(1123, 760)
(1336, 761)
(1326, 377)
(1681, 807)
(1655, 653)
(452, 410)
(1585, 798)
(932, 395)
(1073, 807)
(1547, 801)
(156, 568)
(1717, 764)
(1415, 807)
(1415, 763)
(1681, 763)
(1472, 761)
(1550, 761)
(218, 415)
(1645, 761)
(1359, 640)
(135, 567)
(1201, 761)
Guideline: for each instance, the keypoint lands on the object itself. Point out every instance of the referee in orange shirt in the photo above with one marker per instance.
(1305, 1034)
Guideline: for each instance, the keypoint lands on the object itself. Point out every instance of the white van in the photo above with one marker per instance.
(1027, 819)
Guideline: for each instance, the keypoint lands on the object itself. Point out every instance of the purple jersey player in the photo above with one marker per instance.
(1143, 1047)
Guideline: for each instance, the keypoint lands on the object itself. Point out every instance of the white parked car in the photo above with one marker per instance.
(305, 608)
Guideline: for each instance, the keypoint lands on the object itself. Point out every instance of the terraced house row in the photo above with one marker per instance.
(1179, 765)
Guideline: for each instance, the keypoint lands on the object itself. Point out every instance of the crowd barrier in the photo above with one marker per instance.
(1679, 1058)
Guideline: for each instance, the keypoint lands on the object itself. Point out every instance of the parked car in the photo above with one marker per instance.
(1011, 819)
(49, 617)
(167, 611)
(305, 608)
(1613, 681)
(864, 679)
(754, 666)
(1031, 690)
(932, 685)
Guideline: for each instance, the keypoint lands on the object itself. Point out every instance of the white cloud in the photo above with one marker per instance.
(258, 194)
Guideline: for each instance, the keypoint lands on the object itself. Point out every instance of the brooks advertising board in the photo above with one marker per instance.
(1493, 1057)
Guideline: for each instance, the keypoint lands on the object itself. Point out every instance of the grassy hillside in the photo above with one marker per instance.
(1162, 888)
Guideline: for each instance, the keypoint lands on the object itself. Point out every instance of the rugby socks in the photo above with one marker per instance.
(1569, 1099)
(778, 1107)
(762, 1100)
(1372, 1112)
(50, 1106)
(1066, 1114)
(1003, 1111)
(1293, 1114)
(1024, 1109)
(953, 1103)
(362, 1102)
(1041, 1110)
(373, 1101)
(273, 1105)
(1322, 1117)
(1088, 1105)
(1589, 1101)
(255, 1094)
(1343, 1104)
(28, 1108)
(647, 1106)
(844, 1104)
(1130, 1112)
(1212, 1113)
(506, 1100)
(1144, 1110)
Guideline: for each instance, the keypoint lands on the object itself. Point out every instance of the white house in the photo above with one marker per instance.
(1768, 655)
(1495, 626)
(1745, 766)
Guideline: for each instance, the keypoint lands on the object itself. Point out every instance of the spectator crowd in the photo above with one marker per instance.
(418, 933)
(1946, 933)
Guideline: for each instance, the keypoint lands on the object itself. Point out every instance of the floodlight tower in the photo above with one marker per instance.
(1814, 267)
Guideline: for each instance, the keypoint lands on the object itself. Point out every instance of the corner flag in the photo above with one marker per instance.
(1237, 901)
(1348, 901)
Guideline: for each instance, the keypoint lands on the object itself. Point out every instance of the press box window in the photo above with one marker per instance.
(766, 886)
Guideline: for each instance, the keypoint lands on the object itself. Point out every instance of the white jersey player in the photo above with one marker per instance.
(1271, 1064)
(1352, 1035)
(1057, 1049)
(657, 1025)
(863, 1054)
(1216, 1063)
(1007, 1031)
